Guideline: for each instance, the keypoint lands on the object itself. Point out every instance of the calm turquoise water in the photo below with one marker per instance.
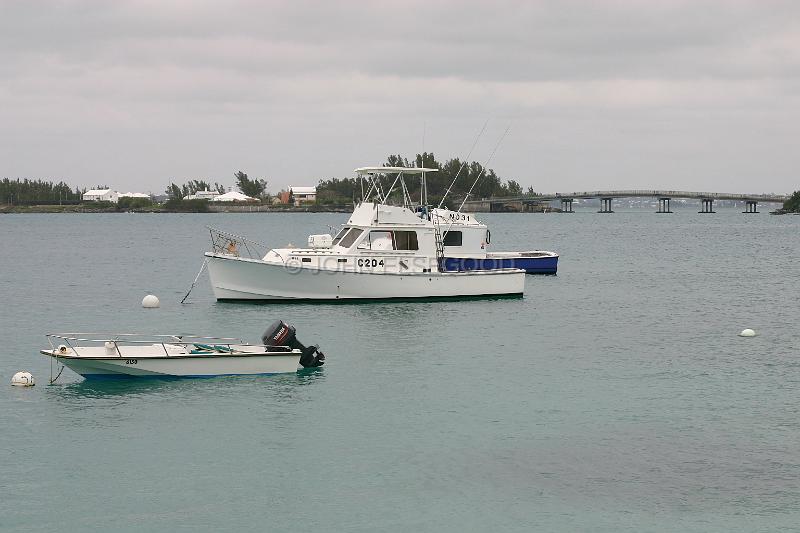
(613, 397)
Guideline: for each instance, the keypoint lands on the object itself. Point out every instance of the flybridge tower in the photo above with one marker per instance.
(368, 176)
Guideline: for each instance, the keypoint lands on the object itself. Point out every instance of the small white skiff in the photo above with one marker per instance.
(135, 355)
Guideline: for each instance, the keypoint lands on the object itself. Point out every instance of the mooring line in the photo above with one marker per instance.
(203, 267)
(53, 380)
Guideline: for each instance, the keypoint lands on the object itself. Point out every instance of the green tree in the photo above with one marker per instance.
(792, 204)
(30, 191)
(397, 161)
(174, 192)
(192, 187)
(337, 191)
(514, 188)
(254, 187)
(487, 183)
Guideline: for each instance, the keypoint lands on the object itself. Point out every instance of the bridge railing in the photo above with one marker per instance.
(654, 193)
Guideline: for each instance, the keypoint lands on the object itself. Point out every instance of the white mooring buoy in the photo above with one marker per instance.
(23, 379)
(150, 302)
(747, 333)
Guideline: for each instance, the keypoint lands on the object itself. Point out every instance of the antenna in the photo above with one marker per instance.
(463, 164)
(485, 165)
(422, 156)
(423, 193)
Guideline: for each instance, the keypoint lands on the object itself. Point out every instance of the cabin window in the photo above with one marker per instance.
(453, 238)
(348, 240)
(377, 240)
(340, 235)
(405, 240)
(390, 240)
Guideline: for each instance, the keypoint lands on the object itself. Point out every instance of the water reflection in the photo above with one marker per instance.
(221, 386)
(308, 376)
(361, 302)
(109, 388)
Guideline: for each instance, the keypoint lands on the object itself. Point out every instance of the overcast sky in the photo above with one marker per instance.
(599, 95)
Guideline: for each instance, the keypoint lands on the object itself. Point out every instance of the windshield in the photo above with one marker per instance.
(348, 240)
(340, 235)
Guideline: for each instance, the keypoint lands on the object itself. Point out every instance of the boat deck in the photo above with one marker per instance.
(144, 351)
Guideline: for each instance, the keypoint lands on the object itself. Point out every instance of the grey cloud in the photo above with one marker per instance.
(701, 90)
(498, 41)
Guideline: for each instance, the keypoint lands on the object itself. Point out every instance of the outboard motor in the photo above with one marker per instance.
(281, 334)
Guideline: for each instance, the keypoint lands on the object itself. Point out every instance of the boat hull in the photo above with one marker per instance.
(531, 264)
(182, 366)
(235, 278)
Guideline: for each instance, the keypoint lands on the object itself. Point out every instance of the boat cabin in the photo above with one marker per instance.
(388, 238)
(391, 238)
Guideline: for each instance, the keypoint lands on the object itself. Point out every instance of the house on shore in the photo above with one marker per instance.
(100, 195)
(234, 196)
(134, 195)
(108, 195)
(303, 195)
(204, 195)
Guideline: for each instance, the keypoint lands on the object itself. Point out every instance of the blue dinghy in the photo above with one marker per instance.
(534, 262)
(465, 243)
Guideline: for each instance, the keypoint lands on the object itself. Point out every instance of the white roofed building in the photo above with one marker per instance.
(134, 195)
(100, 195)
(234, 196)
(204, 195)
(303, 195)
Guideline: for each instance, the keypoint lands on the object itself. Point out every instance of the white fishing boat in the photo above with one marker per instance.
(383, 251)
(136, 355)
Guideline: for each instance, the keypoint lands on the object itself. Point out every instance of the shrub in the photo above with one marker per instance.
(186, 206)
(133, 203)
(792, 205)
(100, 204)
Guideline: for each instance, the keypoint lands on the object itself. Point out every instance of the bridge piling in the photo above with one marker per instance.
(708, 206)
(752, 206)
(605, 197)
(663, 205)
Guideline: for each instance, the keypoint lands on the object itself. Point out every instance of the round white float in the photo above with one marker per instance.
(150, 302)
(747, 333)
(23, 379)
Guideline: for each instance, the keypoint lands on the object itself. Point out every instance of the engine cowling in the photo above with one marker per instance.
(281, 334)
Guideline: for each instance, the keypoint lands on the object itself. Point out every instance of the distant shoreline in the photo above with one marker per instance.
(83, 208)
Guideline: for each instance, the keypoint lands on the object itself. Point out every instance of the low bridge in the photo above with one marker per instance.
(525, 202)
